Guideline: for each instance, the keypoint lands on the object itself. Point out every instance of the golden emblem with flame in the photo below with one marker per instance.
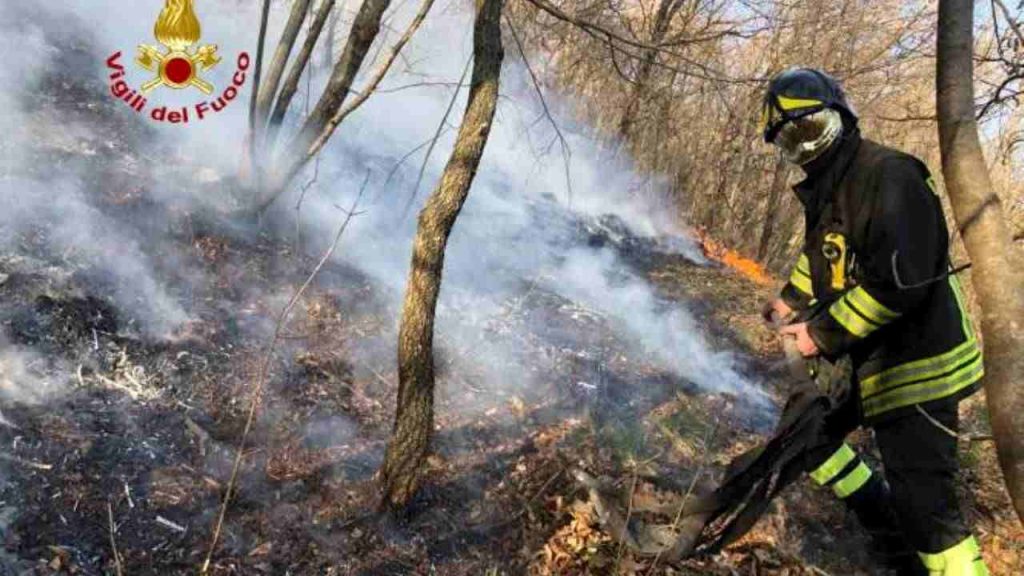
(178, 67)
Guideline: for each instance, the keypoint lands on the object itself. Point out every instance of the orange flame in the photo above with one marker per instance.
(177, 27)
(745, 266)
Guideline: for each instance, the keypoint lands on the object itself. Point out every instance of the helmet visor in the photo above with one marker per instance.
(804, 139)
(778, 110)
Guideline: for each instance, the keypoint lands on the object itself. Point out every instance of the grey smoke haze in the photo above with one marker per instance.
(515, 230)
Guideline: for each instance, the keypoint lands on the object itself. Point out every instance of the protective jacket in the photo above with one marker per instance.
(875, 261)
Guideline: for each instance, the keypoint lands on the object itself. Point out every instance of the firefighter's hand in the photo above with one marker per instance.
(774, 311)
(804, 343)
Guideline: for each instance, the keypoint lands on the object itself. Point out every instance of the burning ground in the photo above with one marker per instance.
(135, 309)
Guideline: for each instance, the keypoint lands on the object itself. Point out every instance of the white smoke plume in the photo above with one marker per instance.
(519, 227)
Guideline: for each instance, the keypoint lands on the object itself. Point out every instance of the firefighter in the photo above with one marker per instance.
(873, 285)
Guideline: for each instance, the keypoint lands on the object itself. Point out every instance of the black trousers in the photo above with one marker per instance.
(921, 465)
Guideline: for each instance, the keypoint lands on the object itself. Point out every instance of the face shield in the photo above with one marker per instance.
(804, 138)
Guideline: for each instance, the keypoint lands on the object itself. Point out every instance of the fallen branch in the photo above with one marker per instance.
(261, 375)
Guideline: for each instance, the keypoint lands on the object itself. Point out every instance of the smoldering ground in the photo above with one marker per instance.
(545, 297)
(516, 229)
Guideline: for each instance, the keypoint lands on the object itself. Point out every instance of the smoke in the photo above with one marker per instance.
(520, 229)
(25, 376)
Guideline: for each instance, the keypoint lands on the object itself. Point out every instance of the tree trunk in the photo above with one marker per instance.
(414, 419)
(268, 89)
(979, 215)
(332, 35)
(364, 31)
(291, 83)
(771, 211)
(641, 85)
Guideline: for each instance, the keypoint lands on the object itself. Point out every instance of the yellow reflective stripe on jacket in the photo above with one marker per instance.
(834, 465)
(853, 481)
(954, 283)
(800, 278)
(925, 391)
(872, 309)
(923, 369)
(964, 559)
(929, 378)
(851, 319)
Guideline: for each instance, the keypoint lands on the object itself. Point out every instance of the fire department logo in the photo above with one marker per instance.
(178, 65)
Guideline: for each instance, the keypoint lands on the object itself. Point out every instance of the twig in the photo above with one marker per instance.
(616, 42)
(128, 495)
(397, 165)
(566, 151)
(172, 525)
(544, 487)
(28, 463)
(7, 423)
(433, 141)
(1010, 20)
(522, 511)
(264, 367)
(113, 541)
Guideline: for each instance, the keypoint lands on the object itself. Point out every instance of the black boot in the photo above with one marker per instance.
(875, 512)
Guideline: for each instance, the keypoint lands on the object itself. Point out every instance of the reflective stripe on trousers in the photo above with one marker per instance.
(964, 559)
(844, 471)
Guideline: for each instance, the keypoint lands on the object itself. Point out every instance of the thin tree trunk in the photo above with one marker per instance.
(641, 86)
(414, 419)
(268, 89)
(364, 30)
(996, 273)
(291, 83)
(253, 163)
(772, 208)
(332, 35)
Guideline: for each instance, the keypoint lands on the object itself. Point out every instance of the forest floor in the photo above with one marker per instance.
(124, 470)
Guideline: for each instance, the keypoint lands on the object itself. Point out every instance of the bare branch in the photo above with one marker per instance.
(112, 528)
(566, 151)
(615, 41)
(433, 141)
(1010, 20)
(365, 94)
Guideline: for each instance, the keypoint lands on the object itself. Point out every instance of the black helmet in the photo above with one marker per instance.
(799, 92)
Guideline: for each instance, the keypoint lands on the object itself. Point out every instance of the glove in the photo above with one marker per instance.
(775, 311)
